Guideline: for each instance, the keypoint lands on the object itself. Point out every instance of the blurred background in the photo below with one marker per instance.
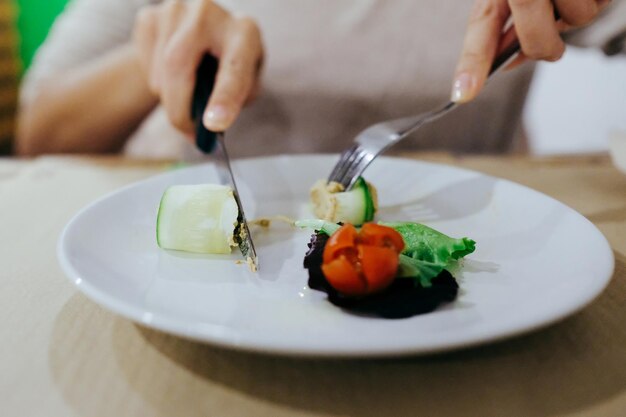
(574, 105)
(24, 25)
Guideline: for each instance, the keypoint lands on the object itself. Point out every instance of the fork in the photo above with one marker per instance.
(377, 138)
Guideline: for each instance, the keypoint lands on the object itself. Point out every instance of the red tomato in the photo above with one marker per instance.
(379, 266)
(362, 263)
(377, 235)
(344, 277)
(341, 241)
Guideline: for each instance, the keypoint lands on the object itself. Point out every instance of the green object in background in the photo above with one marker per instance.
(34, 21)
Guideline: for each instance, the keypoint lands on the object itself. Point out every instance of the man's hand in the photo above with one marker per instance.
(171, 39)
(534, 26)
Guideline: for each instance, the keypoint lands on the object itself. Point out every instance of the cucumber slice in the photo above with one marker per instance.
(332, 204)
(197, 218)
(371, 198)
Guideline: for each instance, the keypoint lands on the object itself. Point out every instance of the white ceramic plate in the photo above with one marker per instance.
(537, 261)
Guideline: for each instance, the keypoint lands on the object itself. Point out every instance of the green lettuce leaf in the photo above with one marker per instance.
(422, 271)
(427, 244)
(427, 251)
(317, 224)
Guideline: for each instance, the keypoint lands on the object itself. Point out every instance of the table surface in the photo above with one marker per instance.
(63, 355)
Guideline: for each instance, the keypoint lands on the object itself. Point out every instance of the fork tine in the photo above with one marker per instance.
(357, 168)
(347, 166)
(374, 140)
(344, 161)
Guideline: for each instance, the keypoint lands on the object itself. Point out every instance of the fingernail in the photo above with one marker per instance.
(463, 87)
(217, 118)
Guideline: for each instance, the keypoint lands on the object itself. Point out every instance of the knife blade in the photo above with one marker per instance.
(213, 143)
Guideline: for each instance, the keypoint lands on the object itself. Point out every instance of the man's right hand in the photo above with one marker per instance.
(171, 39)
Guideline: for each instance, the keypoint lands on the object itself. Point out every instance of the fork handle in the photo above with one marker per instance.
(505, 56)
(205, 80)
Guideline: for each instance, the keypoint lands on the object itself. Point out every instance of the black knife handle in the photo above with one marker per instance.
(205, 79)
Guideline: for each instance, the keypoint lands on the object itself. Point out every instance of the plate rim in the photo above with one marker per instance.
(162, 323)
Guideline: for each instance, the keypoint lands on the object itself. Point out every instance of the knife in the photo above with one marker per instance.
(213, 143)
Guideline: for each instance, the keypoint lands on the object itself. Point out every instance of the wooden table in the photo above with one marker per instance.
(63, 355)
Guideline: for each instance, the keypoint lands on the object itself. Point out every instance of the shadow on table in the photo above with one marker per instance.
(567, 367)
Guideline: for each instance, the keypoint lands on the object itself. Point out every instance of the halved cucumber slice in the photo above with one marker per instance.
(332, 204)
(197, 218)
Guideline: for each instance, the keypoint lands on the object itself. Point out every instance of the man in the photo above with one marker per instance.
(119, 73)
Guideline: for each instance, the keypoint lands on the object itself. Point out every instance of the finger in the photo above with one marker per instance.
(516, 62)
(144, 38)
(254, 92)
(577, 13)
(170, 15)
(198, 34)
(237, 75)
(256, 87)
(511, 36)
(180, 49)
(487, 19)
(536, 29)
(506, 40)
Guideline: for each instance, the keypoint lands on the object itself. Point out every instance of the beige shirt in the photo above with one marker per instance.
(333, 67)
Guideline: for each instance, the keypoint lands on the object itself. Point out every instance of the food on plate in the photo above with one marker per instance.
(198, 218)
(354, 281)
(333, 204)
(358, 263)
(267, 222)
(204, 218)
(389, 269)
(428, 252)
